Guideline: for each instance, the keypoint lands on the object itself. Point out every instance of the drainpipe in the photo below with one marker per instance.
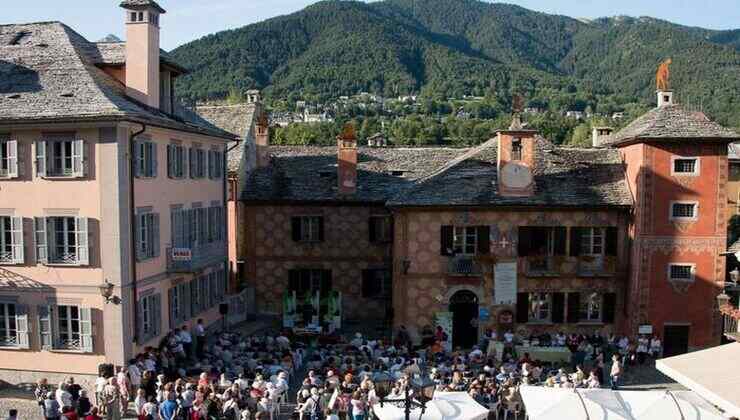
(225, 174)
(132, 215)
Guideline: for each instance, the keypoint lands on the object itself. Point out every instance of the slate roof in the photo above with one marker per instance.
(563, 177)
(733, 151)
(141, 4)
(671, 122)
(734, 248)
(441, 177)
(309, 173)
(236, 119)
(113, 53)
(48, 73)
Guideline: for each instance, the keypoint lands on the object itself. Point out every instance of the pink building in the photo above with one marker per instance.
(104, 180)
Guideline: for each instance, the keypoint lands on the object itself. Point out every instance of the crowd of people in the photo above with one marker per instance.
(248, 377)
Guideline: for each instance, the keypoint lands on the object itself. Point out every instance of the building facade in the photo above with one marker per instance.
(112, 201)
(515, 234)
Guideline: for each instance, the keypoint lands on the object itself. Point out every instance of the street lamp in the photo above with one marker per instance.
(106, 291)
(418, 392)
(735, 275)
(723, 299)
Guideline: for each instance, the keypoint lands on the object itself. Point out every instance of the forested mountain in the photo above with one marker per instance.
(450, 48)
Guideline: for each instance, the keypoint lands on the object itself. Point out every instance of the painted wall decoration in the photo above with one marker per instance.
(504, 283)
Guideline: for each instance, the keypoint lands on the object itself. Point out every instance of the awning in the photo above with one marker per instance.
(444, 406)
(711, 373)
(544, 403)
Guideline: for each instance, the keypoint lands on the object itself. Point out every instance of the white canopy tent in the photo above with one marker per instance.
(543, 403)
(711, 373)
(444, 406)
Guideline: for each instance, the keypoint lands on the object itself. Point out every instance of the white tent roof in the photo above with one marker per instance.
(444, 406)
(711, 373)
(602, 404)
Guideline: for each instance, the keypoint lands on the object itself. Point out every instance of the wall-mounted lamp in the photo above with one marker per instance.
(106, 291)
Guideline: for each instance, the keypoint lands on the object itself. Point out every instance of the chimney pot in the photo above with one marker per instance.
(347, 160)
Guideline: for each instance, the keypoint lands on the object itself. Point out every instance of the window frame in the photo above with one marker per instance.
(146, 159)
(176, 161)
(694, 204)
(69, 240)
(589, 303)
(310, 228)
(461, 236)
(11, 253)
(9, 158)
(384, 278)
(697, 166)
(548, 301)
(10, 339)
(382, 228)
(692, 271)
(589, 241)
(52, 171)
(70, 320)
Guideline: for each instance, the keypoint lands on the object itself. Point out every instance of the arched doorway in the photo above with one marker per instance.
(464, 308)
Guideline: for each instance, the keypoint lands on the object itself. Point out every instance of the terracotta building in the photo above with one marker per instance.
(112, 200)
(515, 234)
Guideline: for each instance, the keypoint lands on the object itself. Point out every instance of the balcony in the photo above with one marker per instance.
(190, 260)
(731, 330)
(596, 266)
(464, 266)
(541, 266)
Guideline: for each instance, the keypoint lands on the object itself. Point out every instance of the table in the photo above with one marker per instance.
(544, 354)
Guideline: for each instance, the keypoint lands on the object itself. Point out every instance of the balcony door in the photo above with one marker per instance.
(464, 308)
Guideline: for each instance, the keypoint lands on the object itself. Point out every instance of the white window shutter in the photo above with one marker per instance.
(82, 241)
(46, 327)
(78, 158)
(86, 330)
(16, 234)
(12, 159)
(41, 161)
(41, 239)
(22, 327)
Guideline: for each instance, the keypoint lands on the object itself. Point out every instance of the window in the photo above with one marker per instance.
(309, 281)
(11, 240)
(215, 164)
(8, 330)
(686, 166)
(68, 323)
(592, 241)
(62, 240)
(590, 308)
(538, 244)
(380, 229)
(215, 224)
(146, 159)
(147, 231)
(175, 161)
(681, 272)
(376, 283)
(516, 149)
(683, 210)
(197, 163)
(60, 158)
(175, 302)
(8, 158)
(540, 305)
(465, 240)
(308, 228)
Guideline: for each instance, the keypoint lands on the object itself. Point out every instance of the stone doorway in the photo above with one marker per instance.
(464, 308)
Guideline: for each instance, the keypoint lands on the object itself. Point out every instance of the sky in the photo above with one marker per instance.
(187, 20)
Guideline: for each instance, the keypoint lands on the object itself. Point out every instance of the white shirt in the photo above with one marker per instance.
(135, 374)
(185, 337)
(199, 330)
(100, 383)
(508, 337)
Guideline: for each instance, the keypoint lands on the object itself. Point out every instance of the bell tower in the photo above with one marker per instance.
(516, 156)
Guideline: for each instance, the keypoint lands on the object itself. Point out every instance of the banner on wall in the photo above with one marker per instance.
(504, 283)
(289, 310)
(444, 320)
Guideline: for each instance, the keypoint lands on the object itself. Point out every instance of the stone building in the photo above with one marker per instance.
(516, 233)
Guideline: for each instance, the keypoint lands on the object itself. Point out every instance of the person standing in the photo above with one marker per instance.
(112, 400)
(42, 388)
(83, 405)
(358, 406)
(200, 336)
(615, 372)
(51, 407)
(168, 409)
(187, 341)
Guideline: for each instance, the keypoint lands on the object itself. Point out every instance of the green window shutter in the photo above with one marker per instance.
(12, 159)
(558, 308)
(185, 305)
(561, 234)
(138, 158)
(157, 315)
(522, 308)
(16, 235)
(609, 309)
(484, 240)
(41, 239)
(22, 327)
(82, 237)
(576, 234)
(46, 328)
(170, 304)
(170, 161)
(524, 241)
(143, 335)
(156, 245)
(574, 307)
(612, 238)
(155, 161)
(191, 163)
(140, 248)
(295, 231)
(41, 161)
(446, 239)
(194, 299)
(86, 330)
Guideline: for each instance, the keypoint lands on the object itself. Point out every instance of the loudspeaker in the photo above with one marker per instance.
(223, 308)
(106, 370)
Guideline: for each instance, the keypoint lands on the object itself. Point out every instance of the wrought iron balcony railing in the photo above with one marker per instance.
(188, 260)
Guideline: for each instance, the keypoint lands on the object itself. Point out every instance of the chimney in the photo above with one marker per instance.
(262, 140)
(599, 134)
(665, 97)
(142, 50)
(347, 160)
